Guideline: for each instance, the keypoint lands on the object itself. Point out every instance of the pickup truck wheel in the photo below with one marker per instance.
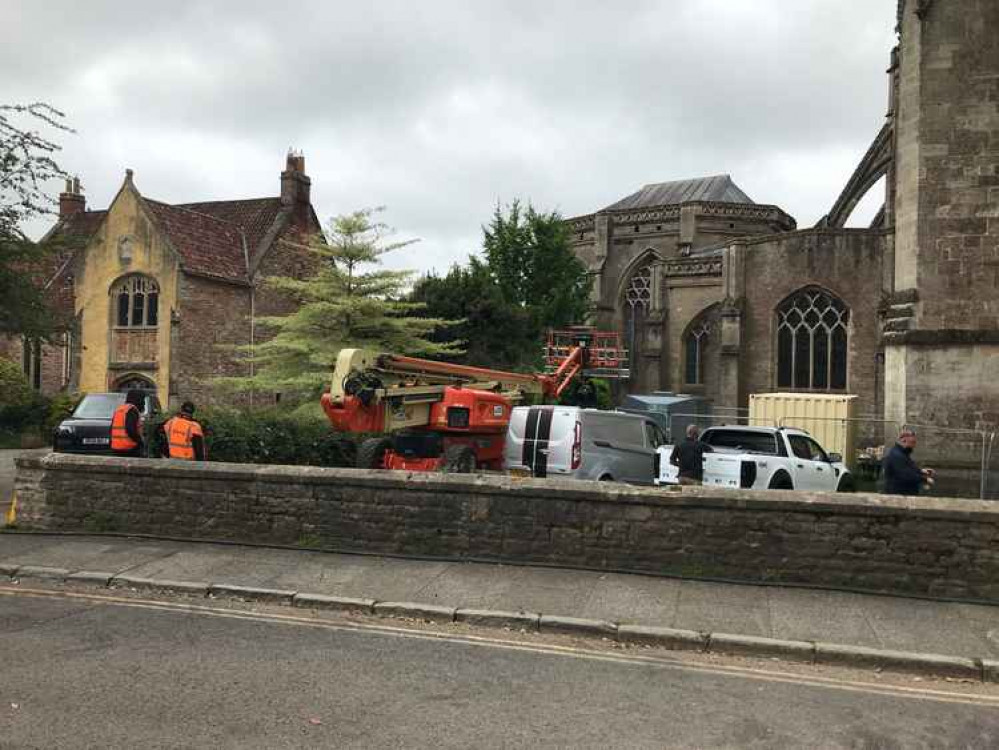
(371, 454)
(846, 484)
(781, 481)
(459, 459)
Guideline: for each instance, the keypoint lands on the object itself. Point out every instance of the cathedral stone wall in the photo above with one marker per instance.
(846, 263)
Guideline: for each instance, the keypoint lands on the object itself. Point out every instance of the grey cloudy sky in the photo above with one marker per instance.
(438, 109)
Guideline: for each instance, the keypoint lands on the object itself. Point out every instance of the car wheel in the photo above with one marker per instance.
(606, 478)
(781, 481)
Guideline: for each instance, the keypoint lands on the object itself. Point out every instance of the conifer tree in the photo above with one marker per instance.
(349, 303)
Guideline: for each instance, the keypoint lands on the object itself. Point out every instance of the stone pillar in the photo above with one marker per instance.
(730, 380)
(942, 357)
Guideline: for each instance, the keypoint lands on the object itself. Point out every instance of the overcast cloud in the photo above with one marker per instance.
(438, 109)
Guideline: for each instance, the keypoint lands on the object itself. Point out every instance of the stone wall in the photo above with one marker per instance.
(846, 262)
(942, 547)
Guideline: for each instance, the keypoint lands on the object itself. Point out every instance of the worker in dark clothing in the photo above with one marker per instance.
(688, 455)
(126, 426)
(902, 475)
(182, 437)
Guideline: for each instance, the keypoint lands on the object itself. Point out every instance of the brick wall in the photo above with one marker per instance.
(213, 316)
(941, 547)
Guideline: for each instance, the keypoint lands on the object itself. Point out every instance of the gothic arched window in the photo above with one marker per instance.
(812, 341)
(637, 304)
(136, 302)
(694, 345)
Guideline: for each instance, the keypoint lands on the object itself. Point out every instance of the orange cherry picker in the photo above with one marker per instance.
(434, 416)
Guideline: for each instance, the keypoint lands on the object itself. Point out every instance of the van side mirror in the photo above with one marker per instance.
(835, 458)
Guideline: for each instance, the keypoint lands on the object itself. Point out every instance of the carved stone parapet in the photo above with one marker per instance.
(693, 267)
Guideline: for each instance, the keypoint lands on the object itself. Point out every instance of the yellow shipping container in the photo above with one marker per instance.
(826, 417)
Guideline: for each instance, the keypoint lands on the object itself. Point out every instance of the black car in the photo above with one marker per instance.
(88, 430)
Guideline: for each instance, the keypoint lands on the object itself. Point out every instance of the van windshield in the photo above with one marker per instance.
(98, 406)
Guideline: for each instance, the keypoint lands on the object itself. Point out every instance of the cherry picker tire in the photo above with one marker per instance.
(371, 453)
(459, 459)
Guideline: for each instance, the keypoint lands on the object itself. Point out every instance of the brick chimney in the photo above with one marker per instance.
(295, 184)
(72, 200)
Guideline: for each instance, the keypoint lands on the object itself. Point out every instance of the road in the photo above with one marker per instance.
(89, 670)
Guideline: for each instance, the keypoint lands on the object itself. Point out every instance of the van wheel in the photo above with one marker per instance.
(459, 459)
(371, 454)
(846, 484)
(781, 481)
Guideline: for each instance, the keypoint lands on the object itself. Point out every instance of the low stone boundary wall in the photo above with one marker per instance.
(929, 546)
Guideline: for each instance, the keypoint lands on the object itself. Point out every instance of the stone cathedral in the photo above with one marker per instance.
(722, 296)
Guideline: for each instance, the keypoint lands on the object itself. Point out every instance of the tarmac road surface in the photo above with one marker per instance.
(88, 670)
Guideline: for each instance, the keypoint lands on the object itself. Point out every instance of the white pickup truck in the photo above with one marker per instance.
(764, 458)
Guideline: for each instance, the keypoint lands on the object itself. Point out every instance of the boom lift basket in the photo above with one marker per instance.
(606, 356)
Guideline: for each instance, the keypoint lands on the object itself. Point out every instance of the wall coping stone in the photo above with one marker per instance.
(859, 504)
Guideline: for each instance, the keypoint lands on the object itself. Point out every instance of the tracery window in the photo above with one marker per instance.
(812, 341)
(694, 346)
(637, 304)
(136, 302)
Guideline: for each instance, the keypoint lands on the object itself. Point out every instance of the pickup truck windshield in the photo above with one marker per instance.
(742, 440)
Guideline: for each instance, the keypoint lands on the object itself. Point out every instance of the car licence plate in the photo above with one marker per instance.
(96, 441)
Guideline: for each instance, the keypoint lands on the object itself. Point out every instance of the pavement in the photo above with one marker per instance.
(89, 670)
(793, 614)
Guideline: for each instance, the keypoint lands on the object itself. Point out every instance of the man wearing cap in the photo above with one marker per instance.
(902, 475)
(182, 437)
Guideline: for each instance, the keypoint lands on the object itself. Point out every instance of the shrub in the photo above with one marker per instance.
(269, 437)
(21, 407)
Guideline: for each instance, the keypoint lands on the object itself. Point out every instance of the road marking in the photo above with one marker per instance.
(663, 662)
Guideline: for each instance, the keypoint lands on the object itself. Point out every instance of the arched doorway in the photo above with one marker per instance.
(134, 382)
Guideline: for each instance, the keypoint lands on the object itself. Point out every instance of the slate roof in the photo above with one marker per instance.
(717, 188)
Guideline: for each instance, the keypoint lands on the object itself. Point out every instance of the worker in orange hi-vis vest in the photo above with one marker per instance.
(126, 426)
(182, 437)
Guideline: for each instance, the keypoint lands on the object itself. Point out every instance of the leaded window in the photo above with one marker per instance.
(136, 302)
(812, 341)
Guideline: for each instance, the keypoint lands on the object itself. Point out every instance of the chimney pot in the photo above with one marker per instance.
(296, 185)
(72, 200)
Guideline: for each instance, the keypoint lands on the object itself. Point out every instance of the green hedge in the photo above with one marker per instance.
(269, 437)
(24, 411)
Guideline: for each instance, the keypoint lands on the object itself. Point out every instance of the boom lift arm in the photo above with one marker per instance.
(461, 405)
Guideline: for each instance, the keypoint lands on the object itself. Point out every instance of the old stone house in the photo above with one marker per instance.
(724, 297)
(158, 293)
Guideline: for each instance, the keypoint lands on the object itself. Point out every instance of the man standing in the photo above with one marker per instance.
(689, 456)
(126, 426)
(182, 437)
(902, 475)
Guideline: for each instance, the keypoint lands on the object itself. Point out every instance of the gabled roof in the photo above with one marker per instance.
(254, 215)
(70, 234)
(207, 245)
(716, 189)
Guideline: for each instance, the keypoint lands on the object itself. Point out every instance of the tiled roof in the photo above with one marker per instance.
(69, 235)
(254, 215)
(717, 189)
(207, 245)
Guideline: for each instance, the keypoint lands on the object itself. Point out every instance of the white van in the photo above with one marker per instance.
(567, 441)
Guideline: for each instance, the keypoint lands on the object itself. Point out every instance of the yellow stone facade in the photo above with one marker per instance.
(127, 243)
